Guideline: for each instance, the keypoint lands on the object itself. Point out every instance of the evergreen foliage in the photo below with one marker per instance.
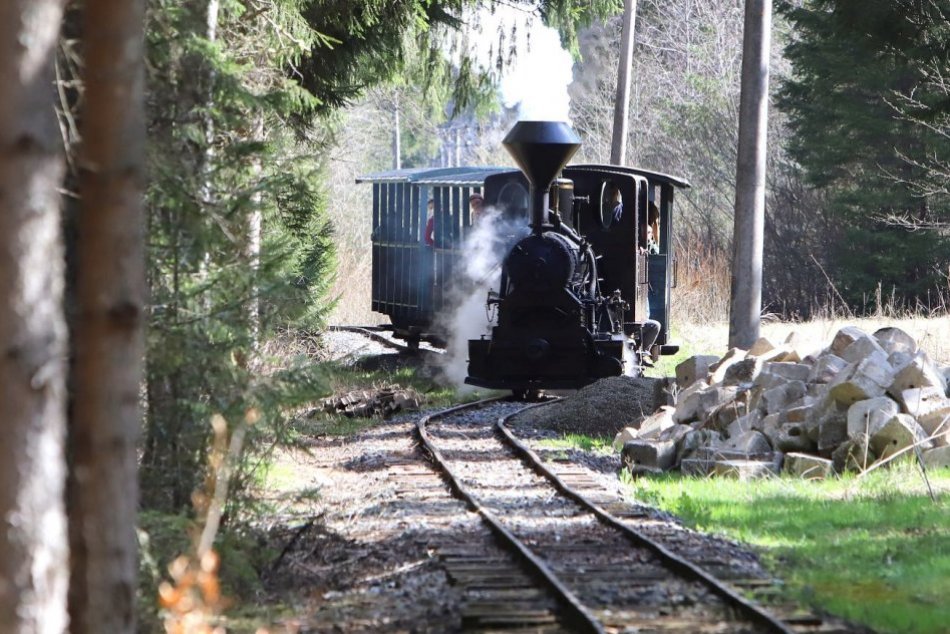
(241, 111)
(373, 42)
(857, 67)
(239, 247)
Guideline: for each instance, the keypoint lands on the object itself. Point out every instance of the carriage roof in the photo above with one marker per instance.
(475, 176)
(438, 176)
(659, 177)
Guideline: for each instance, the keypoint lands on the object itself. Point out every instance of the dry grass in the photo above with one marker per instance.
(703, 280)
(931, 333)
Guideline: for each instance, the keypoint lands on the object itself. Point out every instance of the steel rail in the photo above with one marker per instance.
(671, 560)
(576, 614)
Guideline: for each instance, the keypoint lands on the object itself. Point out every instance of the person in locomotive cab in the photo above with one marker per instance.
(653, 229)
(430, 224)
(476, 207)
(613, 202)
(650, 246)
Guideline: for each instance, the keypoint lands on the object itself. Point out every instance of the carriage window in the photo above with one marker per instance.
(611, 204)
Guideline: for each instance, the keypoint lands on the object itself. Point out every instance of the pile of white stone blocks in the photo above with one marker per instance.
(862, 400)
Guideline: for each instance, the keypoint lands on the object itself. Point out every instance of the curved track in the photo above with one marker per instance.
(603, 574)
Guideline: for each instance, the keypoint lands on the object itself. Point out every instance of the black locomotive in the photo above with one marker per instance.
(575, 290)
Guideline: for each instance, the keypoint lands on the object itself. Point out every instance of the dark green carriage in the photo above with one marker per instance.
(410, 279)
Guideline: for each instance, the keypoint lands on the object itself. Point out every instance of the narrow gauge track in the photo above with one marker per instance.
(604, 575)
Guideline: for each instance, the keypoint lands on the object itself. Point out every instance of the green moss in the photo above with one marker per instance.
(873, 550)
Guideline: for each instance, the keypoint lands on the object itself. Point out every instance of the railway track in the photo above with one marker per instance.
(569, 556)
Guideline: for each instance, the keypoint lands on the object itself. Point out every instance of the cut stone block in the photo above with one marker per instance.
(867, 417)
(866, 379)
(800, 348)
(920, 372)
(772, 421)
(697, 467)
(744, 469)
(936, 425)
(798, 413)
(853, 455)
(826, 368)
(895, 340)
(649, 455)
(676, 433)
(788, 370)
(778, 398)
(790, 438)
(742, 372)
(624, 436)
(808, 467)
(725, 414)
(899, 432)
(832, 432)
(899, 359)
(937, 458)
(780, 354)
(761, 346)
(694, 368)
(750, 443)
(695, 440)
(862, 348)
(715, 398)
(844, 338)
(921, 400)
(739, 426)
(717, 371)
(657, 422)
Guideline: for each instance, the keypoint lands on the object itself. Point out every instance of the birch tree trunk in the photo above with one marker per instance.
(33, 550)
(109, 343)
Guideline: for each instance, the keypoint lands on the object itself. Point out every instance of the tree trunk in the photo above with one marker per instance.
(33, 550)
(109, 343)
(746, 303)
(397, 135)
(618, 146)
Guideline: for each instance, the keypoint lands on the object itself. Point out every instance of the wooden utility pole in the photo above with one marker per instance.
(746, 304)
(618, 145)
(34, 571)
(397, 135)
(109, 328)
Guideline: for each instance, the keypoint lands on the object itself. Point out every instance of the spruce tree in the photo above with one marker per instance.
(853, 61)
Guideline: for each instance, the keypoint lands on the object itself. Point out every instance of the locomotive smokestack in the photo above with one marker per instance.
(541, 149)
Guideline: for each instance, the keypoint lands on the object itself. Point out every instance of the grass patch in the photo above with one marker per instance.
(873, 550)
(578, 441)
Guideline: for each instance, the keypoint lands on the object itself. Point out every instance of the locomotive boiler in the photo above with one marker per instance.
(555, 327)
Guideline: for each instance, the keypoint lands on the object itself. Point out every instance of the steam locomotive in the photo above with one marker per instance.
(575, 288)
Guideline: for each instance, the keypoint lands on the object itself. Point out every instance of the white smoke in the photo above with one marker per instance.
(536, 83)
(477, 272)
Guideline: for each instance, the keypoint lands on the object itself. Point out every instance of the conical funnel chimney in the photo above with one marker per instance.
(541, 149)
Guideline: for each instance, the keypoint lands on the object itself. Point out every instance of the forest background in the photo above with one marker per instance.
(260, 114)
